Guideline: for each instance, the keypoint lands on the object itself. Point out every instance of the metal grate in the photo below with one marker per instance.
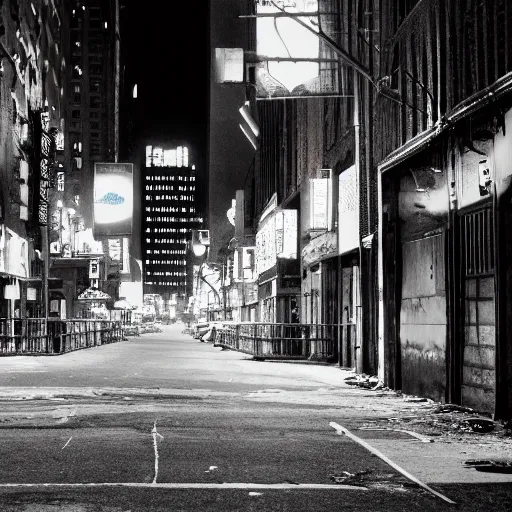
(478, 246)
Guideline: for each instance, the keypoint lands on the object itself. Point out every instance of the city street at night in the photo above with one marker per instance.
(165, 422)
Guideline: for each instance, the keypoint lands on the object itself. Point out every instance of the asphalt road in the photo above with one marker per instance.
(164, 422)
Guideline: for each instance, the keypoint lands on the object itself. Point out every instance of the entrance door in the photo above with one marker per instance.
(339, 292)
(423, 317)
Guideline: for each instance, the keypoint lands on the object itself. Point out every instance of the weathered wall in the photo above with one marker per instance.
(423, 323)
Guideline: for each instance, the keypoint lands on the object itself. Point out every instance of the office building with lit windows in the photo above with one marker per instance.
(88, 135)
(170, 213)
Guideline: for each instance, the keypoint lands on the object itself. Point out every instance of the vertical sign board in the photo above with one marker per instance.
(47, 156)
(320, 204)
(113, 199)
(348, 211)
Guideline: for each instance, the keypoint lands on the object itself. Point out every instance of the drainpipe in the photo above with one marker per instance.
(117, 80)
(357, 164)
(380, 285)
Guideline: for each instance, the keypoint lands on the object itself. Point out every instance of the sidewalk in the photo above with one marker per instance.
(437, 443)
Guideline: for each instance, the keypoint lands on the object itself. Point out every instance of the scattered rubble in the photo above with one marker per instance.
(346, 478)
(433, 419)
(365, 381)
(452, 408)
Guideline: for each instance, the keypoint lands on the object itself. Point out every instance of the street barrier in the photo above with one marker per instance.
(281, 341)
(39, 336)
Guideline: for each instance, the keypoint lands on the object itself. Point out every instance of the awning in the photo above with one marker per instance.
(56, 295)
(93, 294)
(319, 248)
(123, 304)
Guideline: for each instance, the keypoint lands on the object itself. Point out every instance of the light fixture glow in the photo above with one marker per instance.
(246, 114)
(199, 249)
(249, 136)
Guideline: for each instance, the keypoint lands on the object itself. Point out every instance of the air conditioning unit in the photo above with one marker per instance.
(324, 174)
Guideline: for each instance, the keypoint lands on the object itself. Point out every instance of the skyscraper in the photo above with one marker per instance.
(169, 214)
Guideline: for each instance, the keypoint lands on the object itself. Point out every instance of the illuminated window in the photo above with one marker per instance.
(76, 93)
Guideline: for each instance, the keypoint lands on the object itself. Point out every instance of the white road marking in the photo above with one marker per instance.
(155, 433)
(25, 371)
(67, 442)
(197, 486)
(423, 439)
(342, 430)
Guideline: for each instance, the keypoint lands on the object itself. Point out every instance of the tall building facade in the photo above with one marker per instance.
(31, 108)
(170, 213)
(80, 259)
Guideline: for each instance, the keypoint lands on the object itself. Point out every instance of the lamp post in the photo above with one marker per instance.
(60, 206)
(71, 224)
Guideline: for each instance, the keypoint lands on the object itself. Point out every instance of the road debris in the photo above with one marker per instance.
(69, 440)
(346, 477)
(211, 468)
(476, 424)
(490, 465)
(443, 408)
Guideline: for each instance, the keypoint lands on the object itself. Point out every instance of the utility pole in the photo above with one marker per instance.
(117, 80)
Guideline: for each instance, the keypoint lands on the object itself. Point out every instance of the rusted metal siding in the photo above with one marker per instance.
(440, 55)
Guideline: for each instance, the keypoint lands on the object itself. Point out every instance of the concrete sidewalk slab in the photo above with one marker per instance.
(441, 463)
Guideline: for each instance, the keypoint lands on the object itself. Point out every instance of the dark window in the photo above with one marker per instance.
(95, 69)
(95, 101)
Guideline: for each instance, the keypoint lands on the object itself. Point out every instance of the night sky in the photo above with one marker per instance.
(165, 45)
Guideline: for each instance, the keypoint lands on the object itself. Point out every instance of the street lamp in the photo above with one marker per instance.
(71, 224)
(60, 206)
(200, 241)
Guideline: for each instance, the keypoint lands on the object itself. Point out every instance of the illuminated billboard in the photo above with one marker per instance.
(292, 59)
(113, 199)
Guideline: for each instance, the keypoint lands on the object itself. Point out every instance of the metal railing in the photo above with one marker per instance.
(282, 341)
(38, 336)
